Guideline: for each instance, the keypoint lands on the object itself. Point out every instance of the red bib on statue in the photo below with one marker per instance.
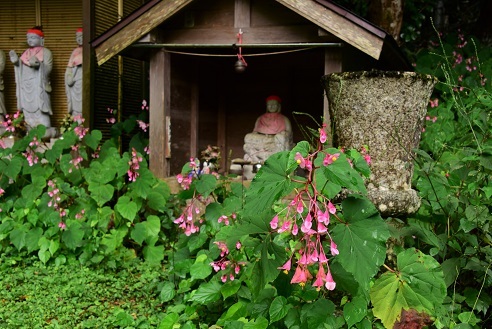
(270, 124)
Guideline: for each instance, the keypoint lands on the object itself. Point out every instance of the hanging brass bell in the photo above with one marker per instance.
(239, 66)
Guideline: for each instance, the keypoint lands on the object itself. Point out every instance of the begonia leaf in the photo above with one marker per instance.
(418, 284)
(361, 239)
(269, 185)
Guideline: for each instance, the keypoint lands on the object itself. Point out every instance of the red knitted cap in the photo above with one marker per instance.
(273, 98)
(36, 31)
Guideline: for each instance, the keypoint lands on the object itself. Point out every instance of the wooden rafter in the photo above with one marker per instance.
(137, 28)
(338, 25)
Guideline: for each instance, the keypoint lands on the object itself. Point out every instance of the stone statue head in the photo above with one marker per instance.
(79, 36)
(35, 37)
(273, 104)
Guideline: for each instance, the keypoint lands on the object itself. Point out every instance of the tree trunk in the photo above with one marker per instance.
(387, 14)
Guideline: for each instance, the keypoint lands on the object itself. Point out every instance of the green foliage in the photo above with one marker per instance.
(418, 284)
(453, 175)
(79, 196)
(235, 242)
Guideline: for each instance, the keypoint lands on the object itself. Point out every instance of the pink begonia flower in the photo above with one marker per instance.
(143, 125)
(367, 157)
(285, 227)
(215, 266)
(223, 278)
(330, 284)
(144, 105)
(334, 248)
(434, 103)
(238, 245)
(314, 256)
(194, 163)
(331, 208)
(330, 158)
(309, 165)
(322, 256)
(274, 223)
(304, 260)
(299, 206)
(307, 224)
(2, 191)
(62, 226)
(300, 160)
(320, 277)
(222, 247)
(322, 134)
(321, 228)
(295, 229)
(324, 217)
(301, 275)
(286, 267)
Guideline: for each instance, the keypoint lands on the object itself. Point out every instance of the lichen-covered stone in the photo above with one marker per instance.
(386, 112)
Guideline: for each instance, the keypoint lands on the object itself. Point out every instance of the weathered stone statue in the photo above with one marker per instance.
(32, 77)
(272, 133)
(73, 78)
(3, 111)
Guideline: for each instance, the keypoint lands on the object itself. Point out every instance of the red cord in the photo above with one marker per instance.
(240, 41)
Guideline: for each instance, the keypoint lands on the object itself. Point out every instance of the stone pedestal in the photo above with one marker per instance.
(386, 112)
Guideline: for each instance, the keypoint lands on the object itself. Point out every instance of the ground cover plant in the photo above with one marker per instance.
(74, 296)
(285, 252)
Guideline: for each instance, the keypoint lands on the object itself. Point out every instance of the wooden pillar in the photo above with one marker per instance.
(242, 13)
(194, 120)
(88, 68)
(221, 133)
(159, 112)
(333, 63)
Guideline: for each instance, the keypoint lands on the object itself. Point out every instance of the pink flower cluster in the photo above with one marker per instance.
(314, 218)
(190, 220)
(30, 154)
(80, 131)
(54, 194)
(143, 125)
(145, 106)
(76, 158)
(226, 220)
(80, 215)
(434, 102)
(186, 180)
(365, 154)
(134, 166)
(112, 119)
(8, 124)
(229, 268)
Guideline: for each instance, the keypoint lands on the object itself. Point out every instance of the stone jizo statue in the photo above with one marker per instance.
(3, 111)
(272, 133)
(32, 77)
(73, 78)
